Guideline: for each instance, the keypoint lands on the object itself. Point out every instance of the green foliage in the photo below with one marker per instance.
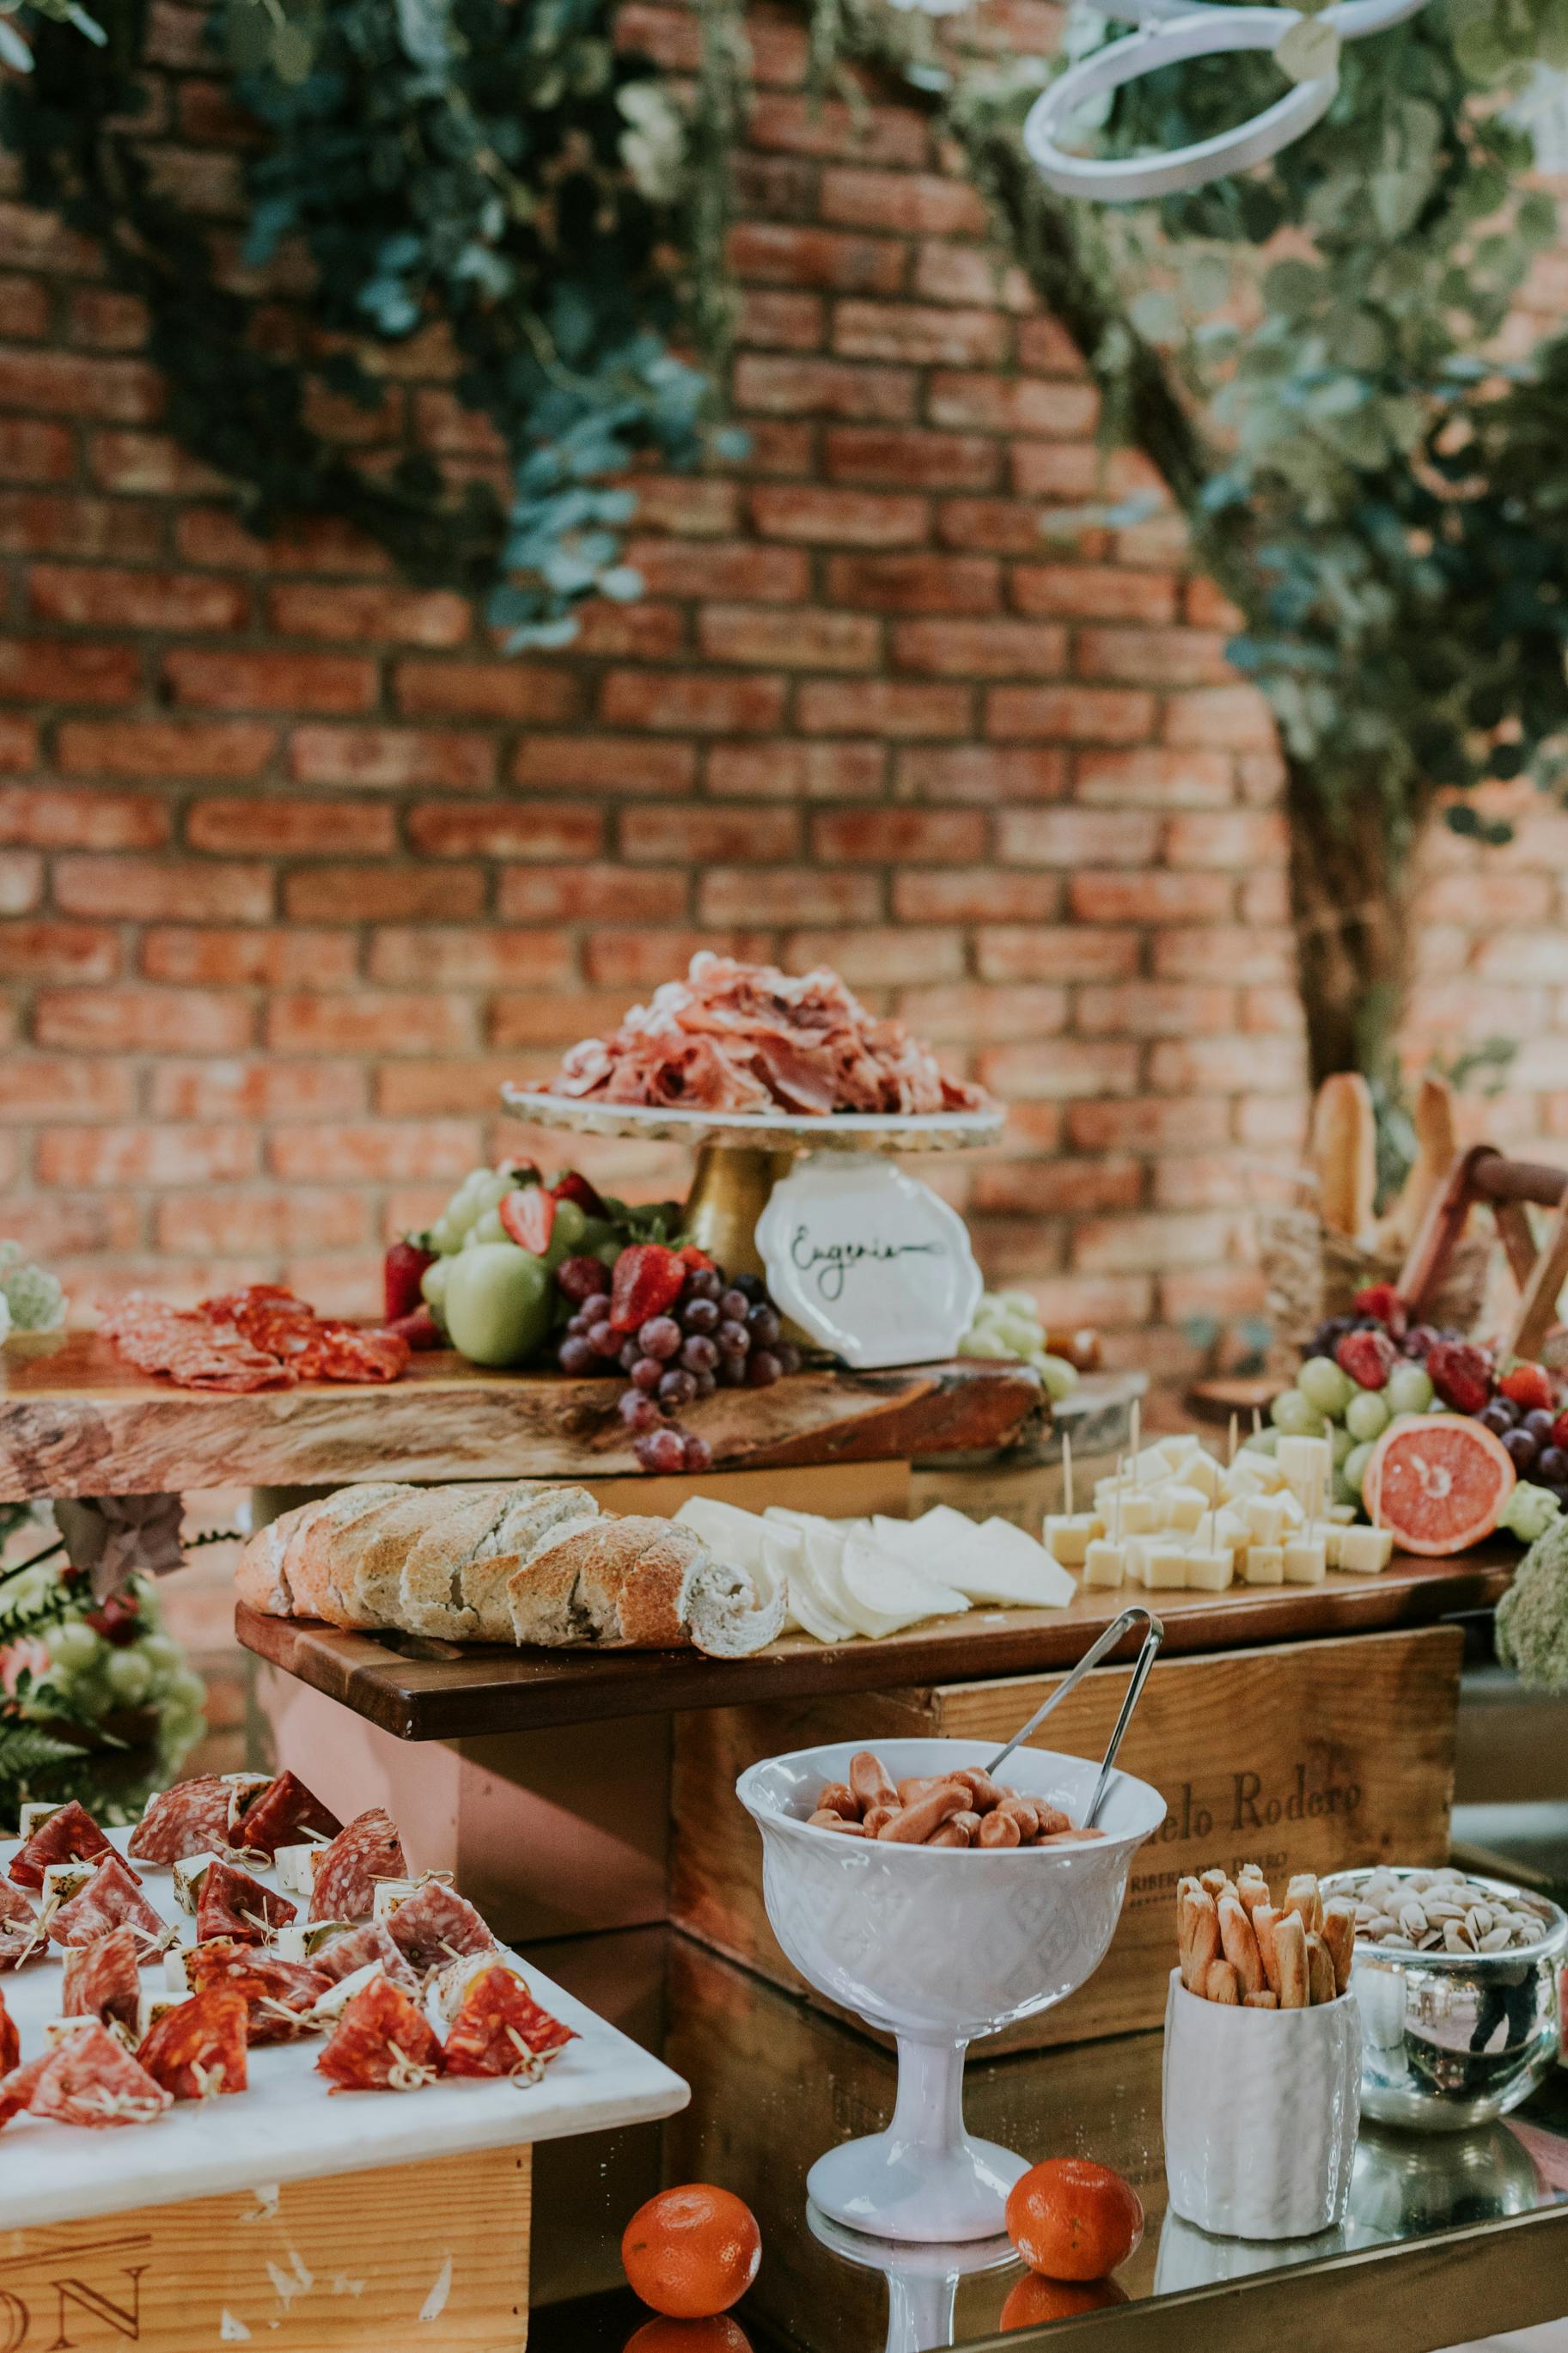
(1532, 1616)
(495, 171)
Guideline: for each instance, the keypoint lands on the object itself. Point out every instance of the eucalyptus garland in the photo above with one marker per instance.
(497, 172)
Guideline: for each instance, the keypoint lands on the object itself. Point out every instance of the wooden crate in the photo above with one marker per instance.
(1303, 1756)
(433, 2254)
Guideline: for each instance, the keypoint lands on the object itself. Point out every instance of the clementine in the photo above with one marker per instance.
(1074, 2220)
(691, 2252)
(717, 2335)
(1034, 2298)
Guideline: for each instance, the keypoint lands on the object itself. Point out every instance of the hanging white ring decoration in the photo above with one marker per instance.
(1208, 33)
(1352, 19)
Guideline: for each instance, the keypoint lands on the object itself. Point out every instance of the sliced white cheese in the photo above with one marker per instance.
(302, 1940)
(61, 1881)
(296, 1868)
(151, 2007)
(189, 1873)
(36, 1811)
(929, 1545)
(1003, 1565)
(174, 1969)
(883, 1595)
(390, 1896)
(337, 1997)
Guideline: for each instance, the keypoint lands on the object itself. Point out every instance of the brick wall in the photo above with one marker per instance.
(295, 867)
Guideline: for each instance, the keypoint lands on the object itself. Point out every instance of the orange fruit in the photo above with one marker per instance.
(717, 2335)
(691, 2252)
(1074, 2220)
(1034, 2298)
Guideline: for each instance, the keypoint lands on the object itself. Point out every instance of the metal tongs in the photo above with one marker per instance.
(1152, 1638)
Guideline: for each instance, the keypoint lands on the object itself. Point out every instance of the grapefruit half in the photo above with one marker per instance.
(1438, 1481)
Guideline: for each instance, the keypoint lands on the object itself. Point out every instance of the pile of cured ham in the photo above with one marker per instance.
(749, 1037)
(258, 1338)
(399, 1976)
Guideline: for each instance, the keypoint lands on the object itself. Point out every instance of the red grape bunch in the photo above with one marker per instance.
(714, 1334)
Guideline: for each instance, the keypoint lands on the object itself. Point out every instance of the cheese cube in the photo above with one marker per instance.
(1104, 1564)
(37, 1812)
(1140, 1515)
(1263, 1565)
(302, 1940)
(1134, 1553)
(1152, 1468)
(174, 1976)
(337, 1997)
(1228, 1530)
(390, 1895)
(1068, 1535)
(61, 1881)
(1367, 1551)
(150, 2008)
(1209, 1570)
(296, 1867)
(1178, 1448)
(1202, 1471)
(1291, 1507)
(1264, 1518)
(1305, 1562)
(1333, 1536)
(1342, 1514)
(189, 1873)
(1183, 1507)
(1244, 1477)
(1164, 1566)
(1307, 1465)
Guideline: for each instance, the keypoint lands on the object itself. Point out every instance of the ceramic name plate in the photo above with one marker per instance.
(872, 1263)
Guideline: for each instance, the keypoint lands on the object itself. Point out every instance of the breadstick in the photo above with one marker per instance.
(1215, 1881)
(1290, 1955)
(1204, 1944)
(1304, 1895)
(1265, 2000)
(1319, 1970)
(1252, 1888)
(1338, 1935)
(1222, 1984)
(1187, 1918)
(1265, 1919)
(1344, 1150)
(1240, 1944)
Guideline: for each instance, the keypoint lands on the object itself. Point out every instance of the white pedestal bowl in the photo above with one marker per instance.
(938, 1946)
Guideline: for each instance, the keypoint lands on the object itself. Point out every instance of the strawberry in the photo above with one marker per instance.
(401, 1270)
(1382, 1300)
(575, 1186)
(646, 1281)
(690, 1256)
(1368, 1357)
(1461, 1375)
(1559, 1431)
(419, 1328)
(1528, 1386)
(528, 1216)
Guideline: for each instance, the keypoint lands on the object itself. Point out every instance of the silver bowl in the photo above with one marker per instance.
(1454, 2040)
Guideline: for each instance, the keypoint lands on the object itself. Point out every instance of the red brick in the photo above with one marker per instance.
(384, 894)
(1014, 404)
(1151, 657)
(1050, 952)
(266, 1091)
(734, 568)
(266, 825)
(1236, 837)
(1236, 952)
(1133, 1245)
(21, 880)
(1074, 836)
(1100, 592)
(783, 255)
(1215, 1065)
(896, 455)
(1208, 607)
(32, 451)
(999, 526)
(252, 957)
(51, 950)
(435, 617)
(504, 830)
(1272, 1008)
(880, 706)
(909, 203)
(793, 894)
(147, 465)
(63, 670)
(840, 518)
(158, 1154)
(106, 320)
(1081, 713)
(870, 958)
(141, 1020)
(43, 522)
(1102, 898)
(776, 448)
(68, 384)
(639, 959)
(215, 1224)
(144, 889)
(34, 1087)
(907, 835)
(468, 956)
(55, 1227)
(780, 321)
(390, 758)
(644, 630)
(443, 421)
(704, 702)
(945, 272)
(1063, 1068)
(810, 640)
(982, 772)
(374, 1150)
(962, 1013)
(177, 748)
(921, 335)
(989, 649)
(976, 895)
(422, 1090)
(822, 387)
(1219, 714)
(691, 506)
(371, 1021)
(810, 126)
(269, 681)
(702, 835)
(105, 599)
(538, 1020)
(621, 764)
(314, 544)
(1151, 777)
(916, 584)
(25, 308)
(797, 771)
(1047, 1188)
(1079, 470)
(1148, 1123)
(63, 817)
(1152, 1009)
(539, 894)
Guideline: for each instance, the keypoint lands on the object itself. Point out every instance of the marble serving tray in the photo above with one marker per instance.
(288, 2126)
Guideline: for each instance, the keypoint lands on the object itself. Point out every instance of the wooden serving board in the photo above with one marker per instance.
(75, 1419)
(440, 1691)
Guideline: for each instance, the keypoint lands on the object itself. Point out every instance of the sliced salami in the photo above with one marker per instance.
(68, 1836)
(232, 1904)
(381, 2043)
(198, 2049)
(437, 1925)
(500, 2030)
(280, 1995)
(368, 1850)
(10, 2041)
(21, 1938)
(17, 2087)
(103, 1980)
(191, 1819)
(357, 1947)
(113, 1898)
(92, 2079)
(283, 1815)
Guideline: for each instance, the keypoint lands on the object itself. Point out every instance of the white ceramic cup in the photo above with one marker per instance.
(1261, 2109)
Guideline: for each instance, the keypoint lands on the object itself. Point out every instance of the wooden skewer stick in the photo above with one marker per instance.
(1116, 1506)
(1066, 1475)
(1235, 1436)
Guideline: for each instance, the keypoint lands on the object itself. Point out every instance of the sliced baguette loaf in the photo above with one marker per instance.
(526, 1527)
(382, 1543)
(726, 1614)
(430, 1589)
(261, 1578)
(615, 1580)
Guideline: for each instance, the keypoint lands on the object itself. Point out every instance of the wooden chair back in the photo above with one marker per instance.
(1483, 1174)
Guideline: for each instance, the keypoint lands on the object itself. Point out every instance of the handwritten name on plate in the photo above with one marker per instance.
(870, 1262)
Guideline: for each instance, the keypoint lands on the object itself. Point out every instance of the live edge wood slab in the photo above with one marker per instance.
(421, 1689)
(75, 1419)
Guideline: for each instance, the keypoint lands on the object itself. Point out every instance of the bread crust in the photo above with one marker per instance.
(616, 1581)
(430, 1597)
(381, 1544)
(524, 1529)
(259, 1578)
